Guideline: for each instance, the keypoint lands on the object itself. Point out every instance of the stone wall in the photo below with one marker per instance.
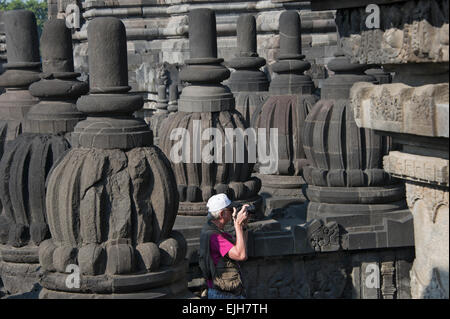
(157, 32)
(372, 274)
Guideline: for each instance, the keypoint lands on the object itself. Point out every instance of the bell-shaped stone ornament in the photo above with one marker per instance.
(206, 107)
(112, 200)
(346, 180)
(282, 116)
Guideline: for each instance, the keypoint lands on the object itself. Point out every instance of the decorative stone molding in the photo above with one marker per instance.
(402, 108)
(410, 32)
(433, 197)
(412, 167)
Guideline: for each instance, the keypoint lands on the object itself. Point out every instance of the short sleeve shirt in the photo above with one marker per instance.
(219, 245)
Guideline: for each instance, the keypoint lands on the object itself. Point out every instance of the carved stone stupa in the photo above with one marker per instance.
(203, 105)
(285, 110)
(112, 200)
(29, 158)
(346, 180)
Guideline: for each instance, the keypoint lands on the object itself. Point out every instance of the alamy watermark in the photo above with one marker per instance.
(372, 276)
(230, 145)
(373, 19)
(73, 280)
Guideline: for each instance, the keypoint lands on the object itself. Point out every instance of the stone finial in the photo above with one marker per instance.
(246, 35)
(21, 39)
(108, 71)
(56, 47)
(345, 75)
(290, 64)
(204, 67)
(290, 36)
(117, 128)
(23, 49)
(202, 34)
(247, 77)
(58, 89)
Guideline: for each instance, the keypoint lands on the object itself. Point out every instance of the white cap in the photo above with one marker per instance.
(218, 202)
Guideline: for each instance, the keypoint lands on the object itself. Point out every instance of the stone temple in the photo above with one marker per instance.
(113, 136)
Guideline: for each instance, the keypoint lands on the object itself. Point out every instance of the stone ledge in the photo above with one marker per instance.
(417, 168)
(401, 108)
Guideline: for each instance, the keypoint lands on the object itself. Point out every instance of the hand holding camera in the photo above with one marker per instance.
(241, 217)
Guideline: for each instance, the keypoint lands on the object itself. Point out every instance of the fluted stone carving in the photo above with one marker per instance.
(29, 158)
(111, 200)
(286, 109)
(248, 82)
(346, 181)
(206, 104)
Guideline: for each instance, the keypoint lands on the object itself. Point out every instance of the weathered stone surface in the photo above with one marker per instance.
(330, 276)
(125, 202)
(402, 108)
(430, 271)
(410, 32)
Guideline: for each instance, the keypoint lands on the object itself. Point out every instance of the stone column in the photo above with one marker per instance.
(291, 98)
(22, 69)
(248, 80)
(29, 158)
(412, 41)
(111, 200)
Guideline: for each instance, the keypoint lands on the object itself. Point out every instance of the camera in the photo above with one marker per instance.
(250, 209)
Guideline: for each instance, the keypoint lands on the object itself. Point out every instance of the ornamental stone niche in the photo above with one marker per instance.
(346, 182)
(291, 98)
(248, 83)
(29, 158)
(412, 41)
(22, 69)
(112, 200)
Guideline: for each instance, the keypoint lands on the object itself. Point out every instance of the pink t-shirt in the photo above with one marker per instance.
(219, 246)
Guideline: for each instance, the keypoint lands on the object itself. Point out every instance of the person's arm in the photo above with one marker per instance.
(239, 250)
